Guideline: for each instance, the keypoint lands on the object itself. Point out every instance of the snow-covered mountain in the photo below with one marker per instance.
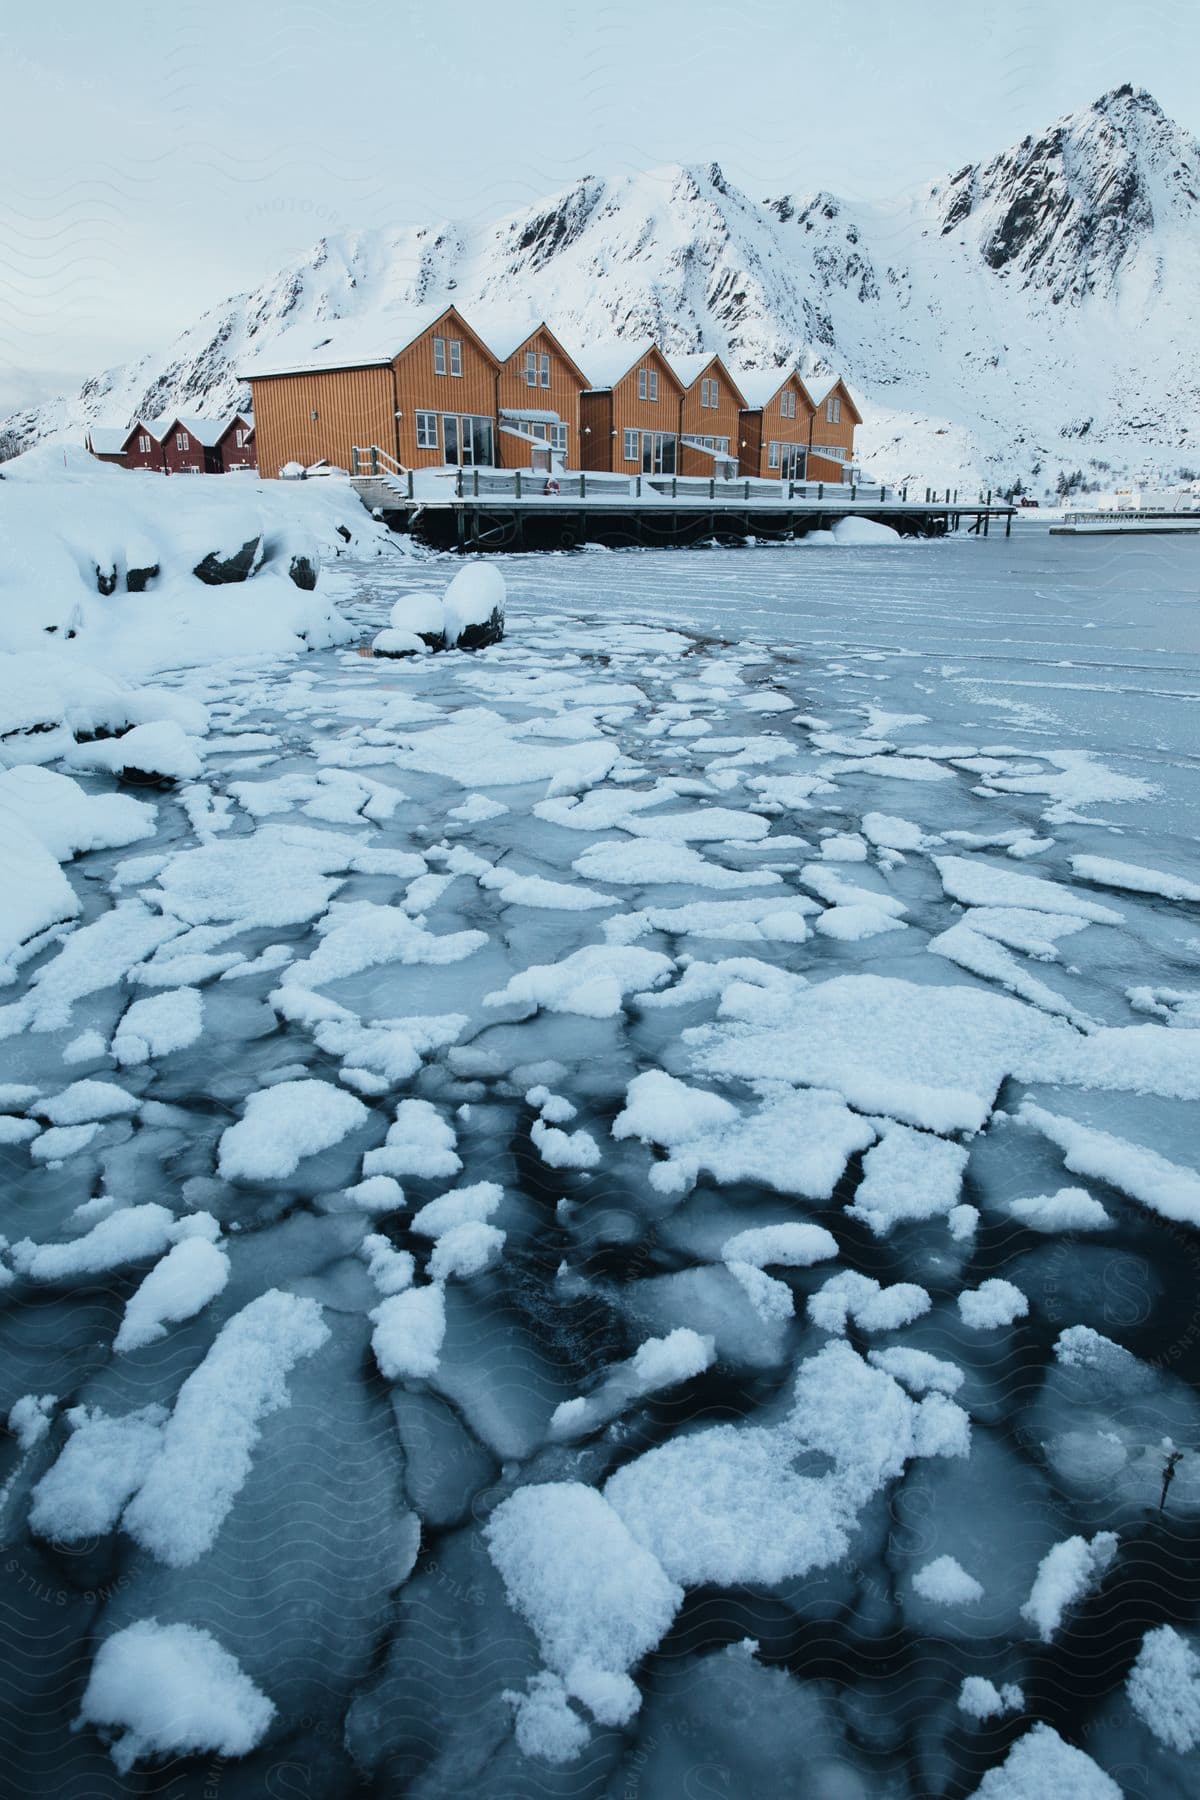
(1037, 311)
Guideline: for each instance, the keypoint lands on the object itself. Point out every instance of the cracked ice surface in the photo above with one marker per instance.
(618, 1205)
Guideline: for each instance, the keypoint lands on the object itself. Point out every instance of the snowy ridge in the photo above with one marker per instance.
(1036, 309)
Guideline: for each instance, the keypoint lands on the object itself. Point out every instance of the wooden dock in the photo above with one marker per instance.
(495, 510)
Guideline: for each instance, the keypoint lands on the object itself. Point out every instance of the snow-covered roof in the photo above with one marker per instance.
(108, 440)
(820, 386)
(760, 386)
(692, 365)
(504, 333)
(607, 360)
(344, 343)
(531, 415)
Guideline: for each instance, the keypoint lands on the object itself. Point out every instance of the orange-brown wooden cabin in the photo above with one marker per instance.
(537, 396)
(831, 434)
(709, 415)
(421, 386)
(775, 425)
(629, 416)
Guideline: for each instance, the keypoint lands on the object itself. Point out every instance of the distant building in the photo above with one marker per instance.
(419, 386)
(710, 409)
(176, 444)
(538, 385)
(775, 425)
(629, 416)
(831, 440)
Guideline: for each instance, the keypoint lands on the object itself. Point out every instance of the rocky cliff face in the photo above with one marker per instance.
(1038, 308)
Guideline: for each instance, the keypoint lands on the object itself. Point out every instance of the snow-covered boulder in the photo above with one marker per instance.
(474, 607)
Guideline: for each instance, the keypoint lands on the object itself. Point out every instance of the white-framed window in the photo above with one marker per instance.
(182, 441)
(531, 368)
(708, 393)
(439, 356)
(242, 437)
(144, 443)
(643, 384)
(787, 403)
(427, 431)
(654, 384)
(633, 442)
(456, 356)
(544, 368)
(772, 456)
(833, 409)
(558, 437)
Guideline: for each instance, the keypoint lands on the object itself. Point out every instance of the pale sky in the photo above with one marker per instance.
(159, 157)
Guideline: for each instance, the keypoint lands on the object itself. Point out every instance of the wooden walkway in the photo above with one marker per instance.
(494, 510)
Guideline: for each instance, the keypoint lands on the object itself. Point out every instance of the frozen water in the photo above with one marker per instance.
(518, 1246)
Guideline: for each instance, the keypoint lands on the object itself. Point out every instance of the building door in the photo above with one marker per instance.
(468, 440)
(658, 453)
(792, 460)
(450, 437)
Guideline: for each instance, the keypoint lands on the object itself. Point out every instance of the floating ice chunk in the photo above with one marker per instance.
(991, 1304)
(895, 768)
(359, 935)
(477, 739)
(1163, 1687)
(420, 1143)
(409, 1329)
(1067, 1572)
(172, 1690)
(1165, 1187)
(844, 847)
(29, 1418)
(17, 1131)
(982, 956)
(643, 863)
(537, 891)
(89, 1046)
(705, 824)
(908, 1175)
(475, 809)
(963, 1222)
(772, 1300)
(158, 1026)
(377, 1194)
(980, 1698)
(1070, 1209)
(1080, 781)
(132, 1234)
(96, 956)
(1033, 933)
(975, 882)
(940, 1428)
(947, 1583)
(788, 1245)
(85, 1100)
(889, 833)
(1041, 1766)
(103, 1462)
(1175, 1006)
(459, 1207)
(209, 1439)
(798, 1144)
(872, 1307)
(1128, 876)
(560, 1150)
(192, 1273)
(283, 1124)
(774, 918)
(546, 1724)
(660, 1362)
(918, 1370)
(61, 1141)
(601, 809)
(591, 982)
(465, 1250)
(596, 1599)
(853, 924)
(390, 1269)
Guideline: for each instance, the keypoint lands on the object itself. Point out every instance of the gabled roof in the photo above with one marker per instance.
(691, 367)
(760, 386)
(108, 440)
(821, 386)
(352, 343)
(507, 335)
(609, 360)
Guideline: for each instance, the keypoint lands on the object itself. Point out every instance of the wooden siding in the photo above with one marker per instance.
(419, 388)
(142, 459)
(562, 397)
(228, 455)
(723, 420)
(353, 406)
(628, 413)
(765, 425)
(595, 429)
(832, 435)
(186, 458)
